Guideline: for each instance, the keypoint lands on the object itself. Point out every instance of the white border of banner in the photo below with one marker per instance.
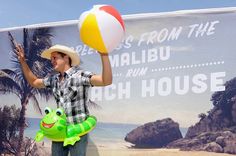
(130, 17)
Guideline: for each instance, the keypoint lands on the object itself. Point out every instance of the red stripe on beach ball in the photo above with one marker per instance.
(111, 10)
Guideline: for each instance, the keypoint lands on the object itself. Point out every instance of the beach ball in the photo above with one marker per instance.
(101, 28)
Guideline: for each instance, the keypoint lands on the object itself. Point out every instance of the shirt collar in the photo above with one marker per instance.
(69, 72)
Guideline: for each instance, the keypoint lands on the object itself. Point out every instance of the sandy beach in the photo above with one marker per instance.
(121, 150)
(150, 152)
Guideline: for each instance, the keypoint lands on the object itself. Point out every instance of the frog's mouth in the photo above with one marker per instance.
(48, 125)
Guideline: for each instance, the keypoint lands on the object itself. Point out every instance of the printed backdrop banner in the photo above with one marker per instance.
(168, 66)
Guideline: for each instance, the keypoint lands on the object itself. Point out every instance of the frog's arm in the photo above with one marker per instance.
(39, 136)
(75, 131)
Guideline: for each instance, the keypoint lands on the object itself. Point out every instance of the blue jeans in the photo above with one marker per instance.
(78, 149)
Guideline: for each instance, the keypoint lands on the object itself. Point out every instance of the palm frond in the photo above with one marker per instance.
(41, 40)
(26, 42)
(8, 85)
(44, 93)
(12, 74)
(92, 104)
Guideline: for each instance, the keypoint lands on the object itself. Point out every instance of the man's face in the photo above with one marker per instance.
(58, 61)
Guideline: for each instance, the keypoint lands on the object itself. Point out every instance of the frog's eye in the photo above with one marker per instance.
(59, 112)
(47, 110)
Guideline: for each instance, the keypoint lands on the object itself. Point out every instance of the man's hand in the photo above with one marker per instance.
(29, 75)
(20, 53)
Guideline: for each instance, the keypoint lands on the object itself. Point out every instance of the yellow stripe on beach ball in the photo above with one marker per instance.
(88, 37)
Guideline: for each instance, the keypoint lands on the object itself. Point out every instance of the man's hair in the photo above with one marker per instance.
(62, 55)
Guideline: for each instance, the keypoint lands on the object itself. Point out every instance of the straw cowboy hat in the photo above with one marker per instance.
(63, 49)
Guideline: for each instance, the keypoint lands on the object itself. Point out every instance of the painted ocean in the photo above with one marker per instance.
(104, 133)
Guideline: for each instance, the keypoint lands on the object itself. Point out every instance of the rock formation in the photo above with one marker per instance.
(215, 132)
(154, 134)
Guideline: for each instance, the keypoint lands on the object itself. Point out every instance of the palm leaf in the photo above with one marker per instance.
(8, 85)
(12, 74)
(92, 104)
(44, 93)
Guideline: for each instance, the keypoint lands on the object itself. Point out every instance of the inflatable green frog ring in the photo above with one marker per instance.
(54, 126)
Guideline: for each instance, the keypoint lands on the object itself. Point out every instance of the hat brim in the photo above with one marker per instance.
(70, 52)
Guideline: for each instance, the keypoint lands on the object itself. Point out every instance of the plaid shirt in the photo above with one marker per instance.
(72, 93)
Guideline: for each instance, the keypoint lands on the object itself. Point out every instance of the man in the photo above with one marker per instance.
(70, 88)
